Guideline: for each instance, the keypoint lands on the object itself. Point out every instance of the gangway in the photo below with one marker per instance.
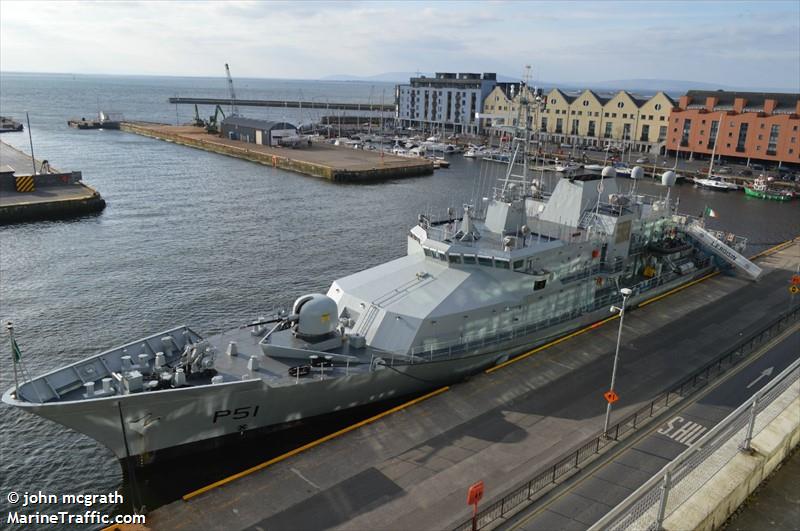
(722, 250)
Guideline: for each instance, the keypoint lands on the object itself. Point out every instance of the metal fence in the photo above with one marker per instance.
(653, 502)
(570, 462)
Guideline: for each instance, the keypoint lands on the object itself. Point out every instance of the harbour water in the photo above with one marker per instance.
(190, 237)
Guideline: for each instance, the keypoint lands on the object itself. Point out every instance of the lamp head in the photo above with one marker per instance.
(626, 292)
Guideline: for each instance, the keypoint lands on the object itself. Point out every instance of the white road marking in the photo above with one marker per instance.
(301, 476)
(683, 431)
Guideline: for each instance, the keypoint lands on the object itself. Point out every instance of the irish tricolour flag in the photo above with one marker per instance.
(710, 212)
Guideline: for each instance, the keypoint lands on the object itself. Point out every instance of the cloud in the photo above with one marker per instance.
(732, 43)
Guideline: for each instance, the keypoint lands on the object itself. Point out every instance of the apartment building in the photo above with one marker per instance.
(622, 119)
(447, 102)
(743, 125)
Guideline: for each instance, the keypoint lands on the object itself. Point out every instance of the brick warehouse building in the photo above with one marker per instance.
(753, 126)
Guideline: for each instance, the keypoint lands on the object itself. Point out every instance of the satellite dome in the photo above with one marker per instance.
(317, 315)
(637, 172)
(609, 172)
(668, 178)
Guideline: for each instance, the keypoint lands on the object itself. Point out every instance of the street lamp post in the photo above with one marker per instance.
(625, 292)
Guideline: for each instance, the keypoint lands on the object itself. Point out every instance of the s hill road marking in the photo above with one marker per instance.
(683, 431)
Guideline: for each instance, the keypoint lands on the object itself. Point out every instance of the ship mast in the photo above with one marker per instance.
(519, 144)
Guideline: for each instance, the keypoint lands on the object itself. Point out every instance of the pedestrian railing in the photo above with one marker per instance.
(569, 463)
(659, 497)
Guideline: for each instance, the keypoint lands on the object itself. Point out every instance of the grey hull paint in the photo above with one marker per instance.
(163, 419)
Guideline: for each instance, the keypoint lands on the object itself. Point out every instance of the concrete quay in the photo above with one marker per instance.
(411, 469)
(319, 160)
(55, 194)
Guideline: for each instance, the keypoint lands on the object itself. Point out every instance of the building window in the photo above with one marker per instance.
(559, 125)
(758, 148)
(742, 140)
(624, 115)
(626, 131)
(687, 126)
(661, 118)
(662, 133)
(645, 133)
(657, 106)
(591, 131)
(712, 135)
(580, 113)
(773, 139)
(613, 115)
(620, 105)
(544, 124)
(761, 137)
(702, 132)
(607, 133)
(553, 101)
(574, 127)
(606, 114)
(585, 103)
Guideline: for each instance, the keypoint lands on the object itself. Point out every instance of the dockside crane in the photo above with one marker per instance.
(212, 126)
(234, 108)
(198, 122)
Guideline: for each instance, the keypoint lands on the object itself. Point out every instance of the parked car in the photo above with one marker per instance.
(723, 170)
(641, 160)
(757, 167)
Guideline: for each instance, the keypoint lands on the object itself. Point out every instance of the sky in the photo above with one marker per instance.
(732, 43)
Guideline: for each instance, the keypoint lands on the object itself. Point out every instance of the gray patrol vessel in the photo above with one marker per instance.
(476, 287)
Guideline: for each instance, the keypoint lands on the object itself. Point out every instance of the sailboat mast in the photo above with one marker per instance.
(714, 149)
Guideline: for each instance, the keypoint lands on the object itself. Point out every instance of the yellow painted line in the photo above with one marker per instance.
(312, 444)
(775, 249)
(676, 290)
(521, 357)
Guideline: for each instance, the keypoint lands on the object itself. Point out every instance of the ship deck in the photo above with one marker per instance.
(275, 371)
(411, 470)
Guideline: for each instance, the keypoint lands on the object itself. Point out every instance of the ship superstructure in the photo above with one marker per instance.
(476, 286)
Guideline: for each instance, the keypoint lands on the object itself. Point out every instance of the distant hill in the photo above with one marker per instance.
(673, 87)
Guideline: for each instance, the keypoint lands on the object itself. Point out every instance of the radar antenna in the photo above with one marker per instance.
(234, 107)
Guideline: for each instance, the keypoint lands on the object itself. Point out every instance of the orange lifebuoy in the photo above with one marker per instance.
(274, 160)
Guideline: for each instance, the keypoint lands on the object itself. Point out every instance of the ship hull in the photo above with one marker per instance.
(772, 196)
(162, 420)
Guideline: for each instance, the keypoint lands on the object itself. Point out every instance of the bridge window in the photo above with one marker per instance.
(469, 259)
(485, 261)
(454, 259)
(428, 252)
(539, 284)
(502, 264)
(519, 264)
